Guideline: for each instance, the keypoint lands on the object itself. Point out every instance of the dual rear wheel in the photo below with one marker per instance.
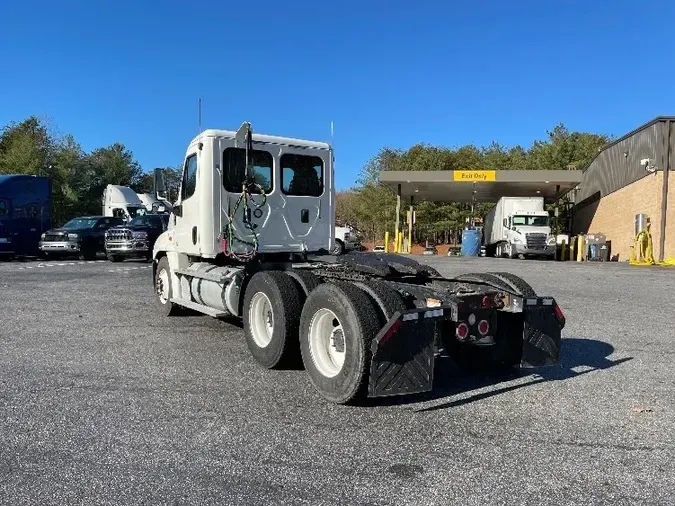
(291, 316)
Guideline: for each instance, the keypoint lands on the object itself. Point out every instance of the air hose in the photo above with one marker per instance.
(230, 235)
(642, 252)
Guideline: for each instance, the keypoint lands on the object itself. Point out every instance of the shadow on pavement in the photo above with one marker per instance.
(590, 354)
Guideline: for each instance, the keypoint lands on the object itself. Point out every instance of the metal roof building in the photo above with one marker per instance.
(627, 177)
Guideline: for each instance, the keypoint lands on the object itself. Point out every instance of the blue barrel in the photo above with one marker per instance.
(471, 240)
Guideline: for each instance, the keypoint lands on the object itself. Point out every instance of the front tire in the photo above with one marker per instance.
(339, 247)
(271, 316)
(164, 289)
(337, 326)
(115, 258)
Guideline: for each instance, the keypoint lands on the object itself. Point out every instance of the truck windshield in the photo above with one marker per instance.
(530, 221)
(148, 220)
(80, 223)
(136, 211)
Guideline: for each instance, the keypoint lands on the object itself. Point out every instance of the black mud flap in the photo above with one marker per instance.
(403, 353)
(542, 336)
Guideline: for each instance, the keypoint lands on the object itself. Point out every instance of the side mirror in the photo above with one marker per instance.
(159, 184)
(177, 210)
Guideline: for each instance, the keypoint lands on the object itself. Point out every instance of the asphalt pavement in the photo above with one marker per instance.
(104, 401)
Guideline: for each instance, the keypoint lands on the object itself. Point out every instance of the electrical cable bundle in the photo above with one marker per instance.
(246, 197)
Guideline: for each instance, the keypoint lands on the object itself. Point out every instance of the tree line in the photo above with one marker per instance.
(78, 177)
(371, 208)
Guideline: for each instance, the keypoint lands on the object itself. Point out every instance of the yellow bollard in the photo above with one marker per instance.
(580, 248)
(400, 242)
(386, 242)
(563, 250)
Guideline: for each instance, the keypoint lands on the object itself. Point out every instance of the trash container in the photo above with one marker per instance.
(597, 250)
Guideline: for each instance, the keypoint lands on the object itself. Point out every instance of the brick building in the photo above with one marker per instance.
(620, 183)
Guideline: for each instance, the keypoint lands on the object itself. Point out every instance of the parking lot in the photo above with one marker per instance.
(103, 401)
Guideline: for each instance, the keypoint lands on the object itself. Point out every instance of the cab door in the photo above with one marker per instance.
(305, 196)
(185, 214)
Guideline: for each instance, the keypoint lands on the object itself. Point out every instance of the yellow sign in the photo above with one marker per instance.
(474, 175)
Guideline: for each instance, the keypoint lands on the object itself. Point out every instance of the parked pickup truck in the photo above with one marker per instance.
(135, 239)
(82, 236)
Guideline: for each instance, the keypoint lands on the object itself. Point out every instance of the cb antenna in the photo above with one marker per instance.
(332, 134)
(199, 116)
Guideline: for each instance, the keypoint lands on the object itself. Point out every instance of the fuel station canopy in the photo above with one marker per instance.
(480, 185)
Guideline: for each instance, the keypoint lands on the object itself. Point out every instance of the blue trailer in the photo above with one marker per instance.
(25, 213)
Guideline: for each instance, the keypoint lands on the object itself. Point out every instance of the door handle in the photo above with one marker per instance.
(32, 230)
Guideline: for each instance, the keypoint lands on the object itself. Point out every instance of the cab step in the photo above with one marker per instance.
(216, 313)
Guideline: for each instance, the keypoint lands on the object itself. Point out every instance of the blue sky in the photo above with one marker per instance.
(388, 73)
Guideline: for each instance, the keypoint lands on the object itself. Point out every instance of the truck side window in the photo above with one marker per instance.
(234, 169)
(3, 208)
(118, 213)
(189, 178)
(301, 175)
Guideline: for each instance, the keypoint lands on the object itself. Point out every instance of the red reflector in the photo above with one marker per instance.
(483, 327)
(486, 301)
(558, 312)
(462, 331)
(392, 330)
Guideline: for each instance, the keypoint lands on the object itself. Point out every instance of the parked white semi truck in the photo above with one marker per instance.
(122, 202)
(346, 239)
(250, 237)
(519, 226)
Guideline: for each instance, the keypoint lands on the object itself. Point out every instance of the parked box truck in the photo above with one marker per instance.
(518, 226)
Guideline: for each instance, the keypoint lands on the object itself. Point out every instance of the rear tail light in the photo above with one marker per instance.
(483, 327)
(486, 301)
(462, 331)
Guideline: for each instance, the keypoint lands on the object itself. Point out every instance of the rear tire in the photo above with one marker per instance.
(516, 283)
(337, 326)
(271, 316)
(385, 298)
(306, 281)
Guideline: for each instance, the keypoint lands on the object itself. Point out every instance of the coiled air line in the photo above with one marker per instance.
(642, 252)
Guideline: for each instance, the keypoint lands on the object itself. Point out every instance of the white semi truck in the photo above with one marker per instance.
(519, 226)
(122, 202)
(346, 239)
(250, 237)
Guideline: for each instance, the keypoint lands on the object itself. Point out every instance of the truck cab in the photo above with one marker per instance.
(519, 226)
(346, 239)
(529, 233)
(122, 202)
(283, 203)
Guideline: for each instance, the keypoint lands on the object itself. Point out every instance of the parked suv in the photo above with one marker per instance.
(83, 236)
(135, 239)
